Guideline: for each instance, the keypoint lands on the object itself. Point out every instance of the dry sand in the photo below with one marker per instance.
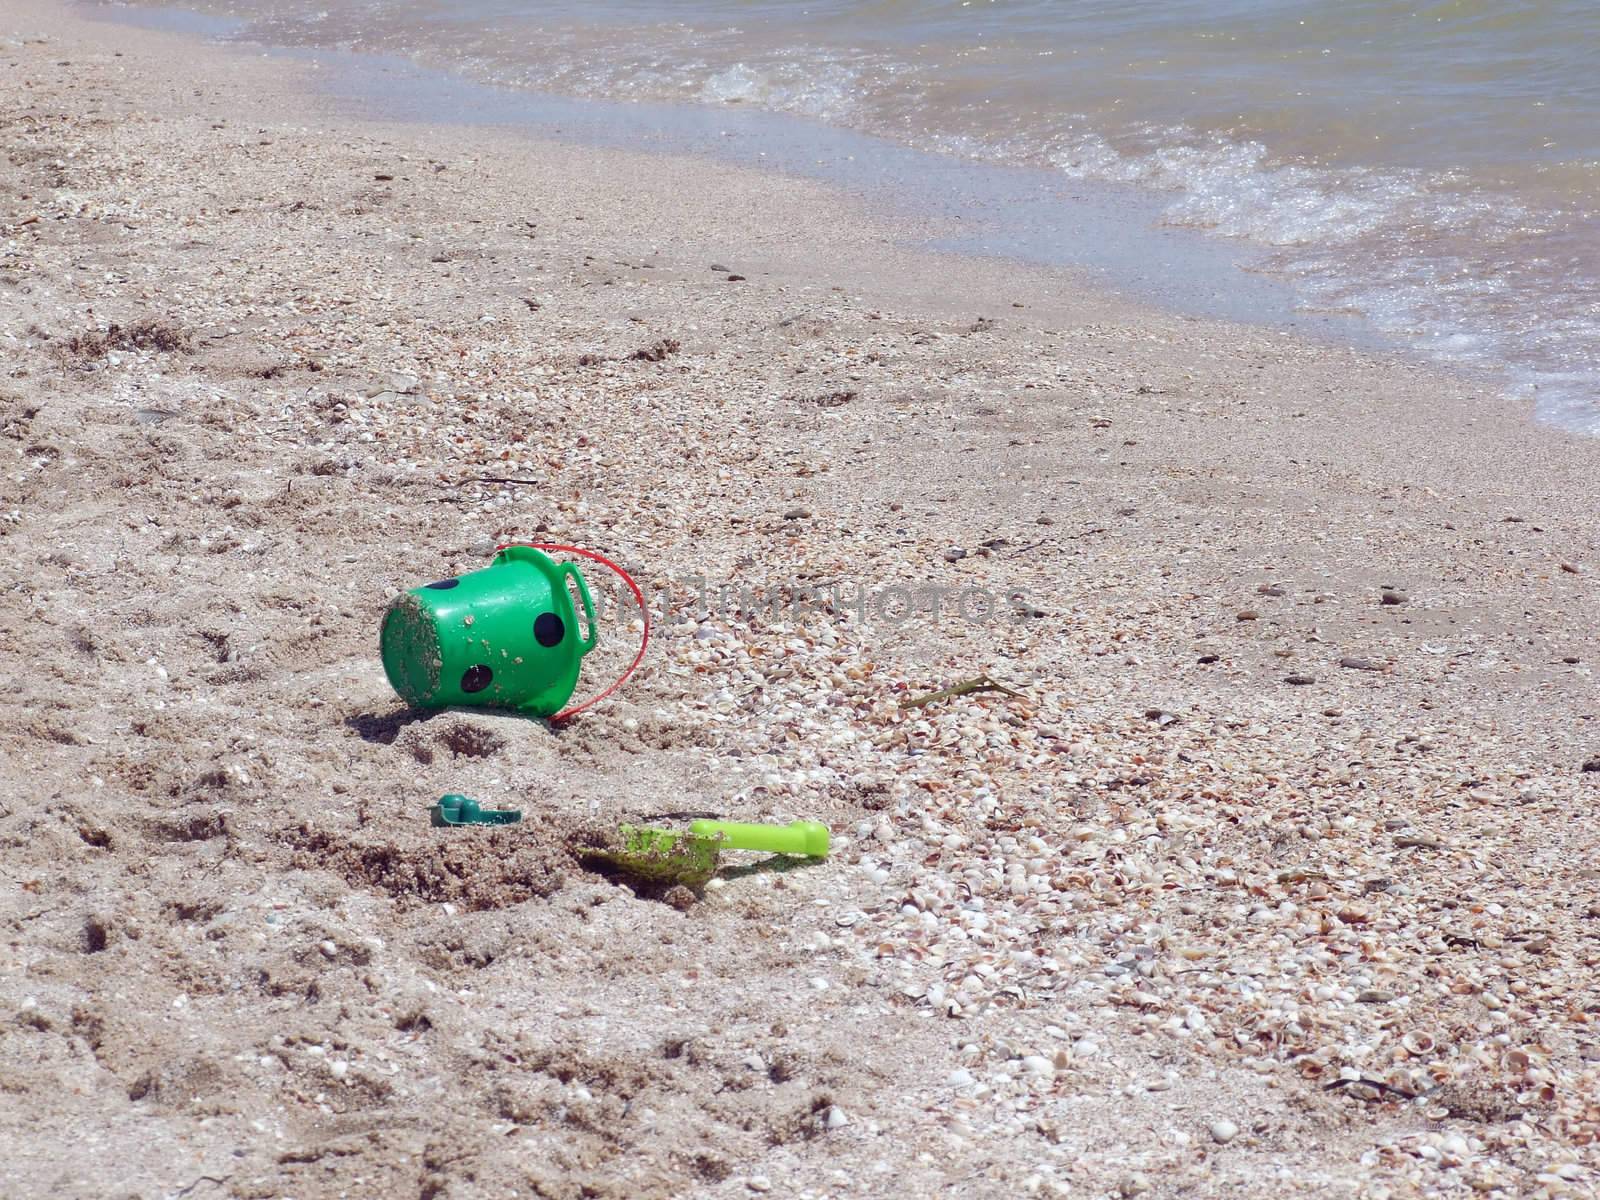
(1172, 923)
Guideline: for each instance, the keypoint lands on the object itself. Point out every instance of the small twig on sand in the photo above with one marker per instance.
(454, 498)
(203, 1179)
(1385, 1088)
(981, 683)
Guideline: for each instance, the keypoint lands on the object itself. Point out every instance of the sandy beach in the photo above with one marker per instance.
(1279, 875)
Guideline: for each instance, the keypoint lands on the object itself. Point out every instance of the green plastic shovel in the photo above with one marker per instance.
(808, 839)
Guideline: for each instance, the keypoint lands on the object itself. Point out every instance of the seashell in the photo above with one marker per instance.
(1417, 1042)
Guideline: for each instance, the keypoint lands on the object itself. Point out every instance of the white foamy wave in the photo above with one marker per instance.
(833, 89)
(1235, 189)
(820, 90)
(1425, 258)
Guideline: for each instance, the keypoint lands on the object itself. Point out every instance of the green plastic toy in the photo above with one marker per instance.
(461, 810)
(503, 637)
(665, 857)
(806, 838)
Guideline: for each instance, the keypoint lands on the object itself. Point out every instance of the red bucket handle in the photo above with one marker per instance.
(638, 595)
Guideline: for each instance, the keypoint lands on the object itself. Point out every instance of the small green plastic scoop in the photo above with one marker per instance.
(665, 857)
(462, 810)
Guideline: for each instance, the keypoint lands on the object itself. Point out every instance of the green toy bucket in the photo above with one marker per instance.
(504, 637)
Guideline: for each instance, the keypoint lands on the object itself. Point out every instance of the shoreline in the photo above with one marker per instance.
(1109, 235)
(1115, 231)
(1254, 830)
